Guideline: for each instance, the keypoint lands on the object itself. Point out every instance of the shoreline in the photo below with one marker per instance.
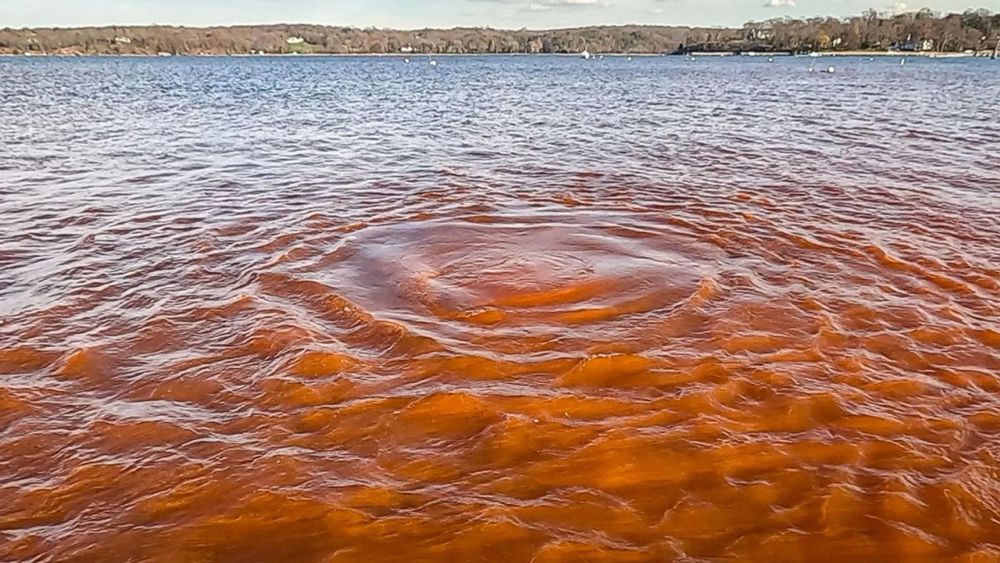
(751, 54)
(818, 54)
(446, 55)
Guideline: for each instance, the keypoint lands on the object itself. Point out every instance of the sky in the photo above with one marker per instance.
(408, 14)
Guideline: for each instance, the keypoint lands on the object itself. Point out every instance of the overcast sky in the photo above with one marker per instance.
(440, 13)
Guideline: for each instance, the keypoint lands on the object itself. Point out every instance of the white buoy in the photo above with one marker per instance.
(770, 60)
(902, 62)
(433, 62)
(406, 60)
(830, 70)
(630, 59)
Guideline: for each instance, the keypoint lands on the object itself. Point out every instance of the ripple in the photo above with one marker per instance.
(262, 309)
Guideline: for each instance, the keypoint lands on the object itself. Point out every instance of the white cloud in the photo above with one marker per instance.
(549, 3)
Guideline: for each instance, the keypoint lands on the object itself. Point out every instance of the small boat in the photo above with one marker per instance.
(585, 55)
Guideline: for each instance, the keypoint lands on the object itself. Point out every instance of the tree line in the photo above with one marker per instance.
(306, 39)
(913, 31)
(921, 30)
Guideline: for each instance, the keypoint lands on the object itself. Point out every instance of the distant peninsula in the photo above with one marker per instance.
(924, 31)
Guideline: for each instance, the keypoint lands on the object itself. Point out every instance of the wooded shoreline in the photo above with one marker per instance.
(702, 54)
(916, 32)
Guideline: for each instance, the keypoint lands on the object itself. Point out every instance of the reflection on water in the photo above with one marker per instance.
(518, 309)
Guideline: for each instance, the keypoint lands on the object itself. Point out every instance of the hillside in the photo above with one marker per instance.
(915, 31)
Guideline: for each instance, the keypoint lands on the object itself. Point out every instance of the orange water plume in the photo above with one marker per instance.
(595, 374)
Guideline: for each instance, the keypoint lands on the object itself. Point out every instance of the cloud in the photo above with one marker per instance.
(779, 4)
(898, 8)
(545, 4)
(548, 5)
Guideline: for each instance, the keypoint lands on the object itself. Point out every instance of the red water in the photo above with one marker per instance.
(580, 367)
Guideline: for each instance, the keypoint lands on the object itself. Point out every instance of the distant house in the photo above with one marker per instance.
(295, 40)
(912, 44)
(758, 31)
(406, 49)
(122, 40)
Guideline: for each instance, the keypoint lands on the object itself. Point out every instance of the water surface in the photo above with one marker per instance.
(500, 309)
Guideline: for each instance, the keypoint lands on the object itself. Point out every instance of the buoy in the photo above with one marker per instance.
(770, 60)
(406, 60)
(434, 63)
(831, 70)
(902, 62)
(630, 59)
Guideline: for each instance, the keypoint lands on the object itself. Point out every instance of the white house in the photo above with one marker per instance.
(294, 40)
